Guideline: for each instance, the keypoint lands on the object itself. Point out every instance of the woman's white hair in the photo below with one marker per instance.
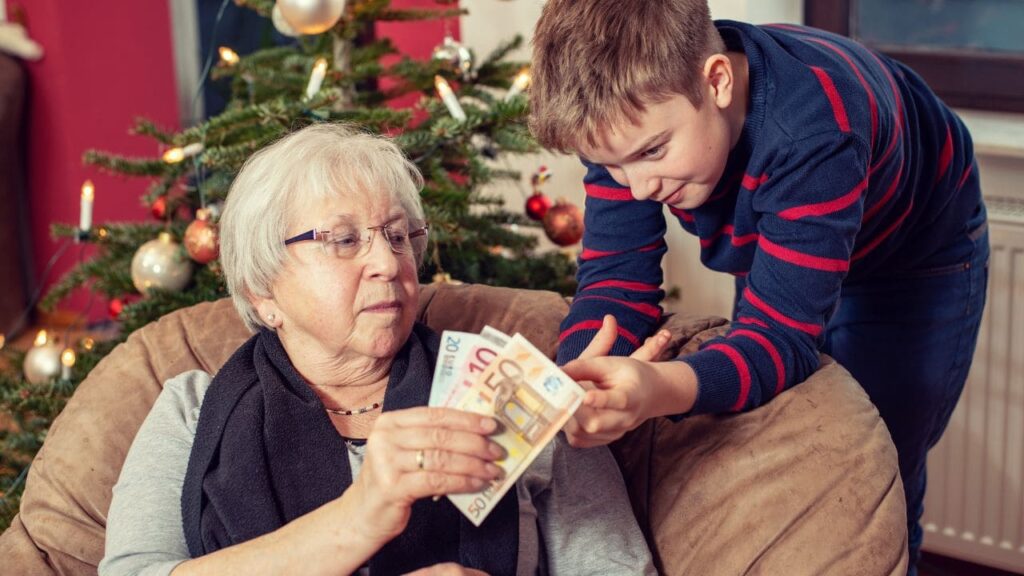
(316, 162)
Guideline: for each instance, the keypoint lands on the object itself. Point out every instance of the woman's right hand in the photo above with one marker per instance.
(420, 452)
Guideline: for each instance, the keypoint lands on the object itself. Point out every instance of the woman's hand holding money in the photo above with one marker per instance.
(623, 392)
(420, 452)
(447, 569)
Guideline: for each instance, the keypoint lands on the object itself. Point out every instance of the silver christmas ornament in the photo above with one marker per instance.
(456, 56)
(42, 361)
(311, 16)
(162, 264)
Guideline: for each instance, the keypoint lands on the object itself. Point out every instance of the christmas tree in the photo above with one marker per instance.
(468, 113)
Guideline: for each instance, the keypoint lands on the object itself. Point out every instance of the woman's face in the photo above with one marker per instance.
(352, 309)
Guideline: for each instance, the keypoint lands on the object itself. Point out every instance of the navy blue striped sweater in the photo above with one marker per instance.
(848, 167)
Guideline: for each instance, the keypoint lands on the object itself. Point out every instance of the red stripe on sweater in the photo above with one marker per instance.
(596, 325)
(884, 199)
(885, 234)
(624, 284)
(645, 309)
(963, 178)
(867, 89)
(838, 110)
(752, 183)
(680, 213)
(608, 193)
(741, 368)
(828, 207)
(752, 320)
(740, 240)
(591, 254)
(802, 259)
(946, 156)
(780, 370)
(812, 329)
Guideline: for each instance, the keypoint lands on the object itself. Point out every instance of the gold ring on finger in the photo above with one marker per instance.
(421, 459)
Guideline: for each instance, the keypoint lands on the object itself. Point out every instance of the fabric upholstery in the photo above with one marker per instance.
(806, 485)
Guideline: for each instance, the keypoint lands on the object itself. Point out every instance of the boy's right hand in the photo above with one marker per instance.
(621, 392)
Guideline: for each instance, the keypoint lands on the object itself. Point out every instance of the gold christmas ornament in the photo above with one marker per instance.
(202, 242)
(563, 223)
(311, 16)
(281, 24)
(160, 263)
(42, 361)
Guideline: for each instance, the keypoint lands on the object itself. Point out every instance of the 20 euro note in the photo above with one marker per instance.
(532, 399)
(462, 358)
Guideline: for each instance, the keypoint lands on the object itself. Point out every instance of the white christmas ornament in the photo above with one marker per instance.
(42, 361)
(162, 264)
(311, 16)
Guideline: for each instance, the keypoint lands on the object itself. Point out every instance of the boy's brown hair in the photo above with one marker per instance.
(599, 62)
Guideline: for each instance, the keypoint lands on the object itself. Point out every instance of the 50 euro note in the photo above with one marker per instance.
(532, 399)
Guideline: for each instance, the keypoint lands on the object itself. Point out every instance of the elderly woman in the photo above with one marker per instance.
(312, 450)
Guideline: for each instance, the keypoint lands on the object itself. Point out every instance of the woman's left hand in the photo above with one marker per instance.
(447, 569)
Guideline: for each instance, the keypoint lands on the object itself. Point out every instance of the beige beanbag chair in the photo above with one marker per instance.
(805, 485)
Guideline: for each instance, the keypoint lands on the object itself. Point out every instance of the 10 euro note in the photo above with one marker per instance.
(531, 398)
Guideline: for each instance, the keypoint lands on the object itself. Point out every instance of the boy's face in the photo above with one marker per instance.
(675, 153)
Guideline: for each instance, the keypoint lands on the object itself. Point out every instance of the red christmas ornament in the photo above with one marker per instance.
(159, 208)
(201, 239)
(537, 205)
(115, 307)
(563, 223)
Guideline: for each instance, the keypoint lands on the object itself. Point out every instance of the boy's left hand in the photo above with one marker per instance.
(621, 392)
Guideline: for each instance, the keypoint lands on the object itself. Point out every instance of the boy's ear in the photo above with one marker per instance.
(719, 73)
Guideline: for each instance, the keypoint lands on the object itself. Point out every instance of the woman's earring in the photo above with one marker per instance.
(271, 317)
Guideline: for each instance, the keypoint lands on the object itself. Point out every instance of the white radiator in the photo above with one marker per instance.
(974, 506)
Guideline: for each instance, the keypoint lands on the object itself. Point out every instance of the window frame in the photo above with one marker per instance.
(961, 78)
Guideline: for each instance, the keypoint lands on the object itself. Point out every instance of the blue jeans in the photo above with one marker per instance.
(909, 340)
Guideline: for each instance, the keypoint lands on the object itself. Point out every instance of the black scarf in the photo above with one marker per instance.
(266, 452)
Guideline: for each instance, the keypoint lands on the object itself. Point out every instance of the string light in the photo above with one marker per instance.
(41, 339)
(521, 82)
(177, 154)
(3, 341)
(88, 343)
(67, 360)
(449, 99)
(228, 56)
(85, 214)
(316, 78)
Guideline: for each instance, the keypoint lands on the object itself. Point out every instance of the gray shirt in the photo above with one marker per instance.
(574, 514)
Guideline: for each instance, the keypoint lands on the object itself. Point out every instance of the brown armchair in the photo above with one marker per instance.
(807, 484)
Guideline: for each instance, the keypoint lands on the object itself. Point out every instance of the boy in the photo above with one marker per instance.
(835, 186)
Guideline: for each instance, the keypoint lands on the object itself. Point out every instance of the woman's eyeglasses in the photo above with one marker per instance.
(346, 241)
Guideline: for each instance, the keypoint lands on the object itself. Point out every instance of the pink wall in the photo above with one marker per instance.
(105, 64)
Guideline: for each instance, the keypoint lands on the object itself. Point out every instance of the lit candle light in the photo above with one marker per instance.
(449, 99)
(228, 56)
(41, 339)
(67, 360)
(518, 85)
(85, 214)
(177, 154)
(316, 79)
